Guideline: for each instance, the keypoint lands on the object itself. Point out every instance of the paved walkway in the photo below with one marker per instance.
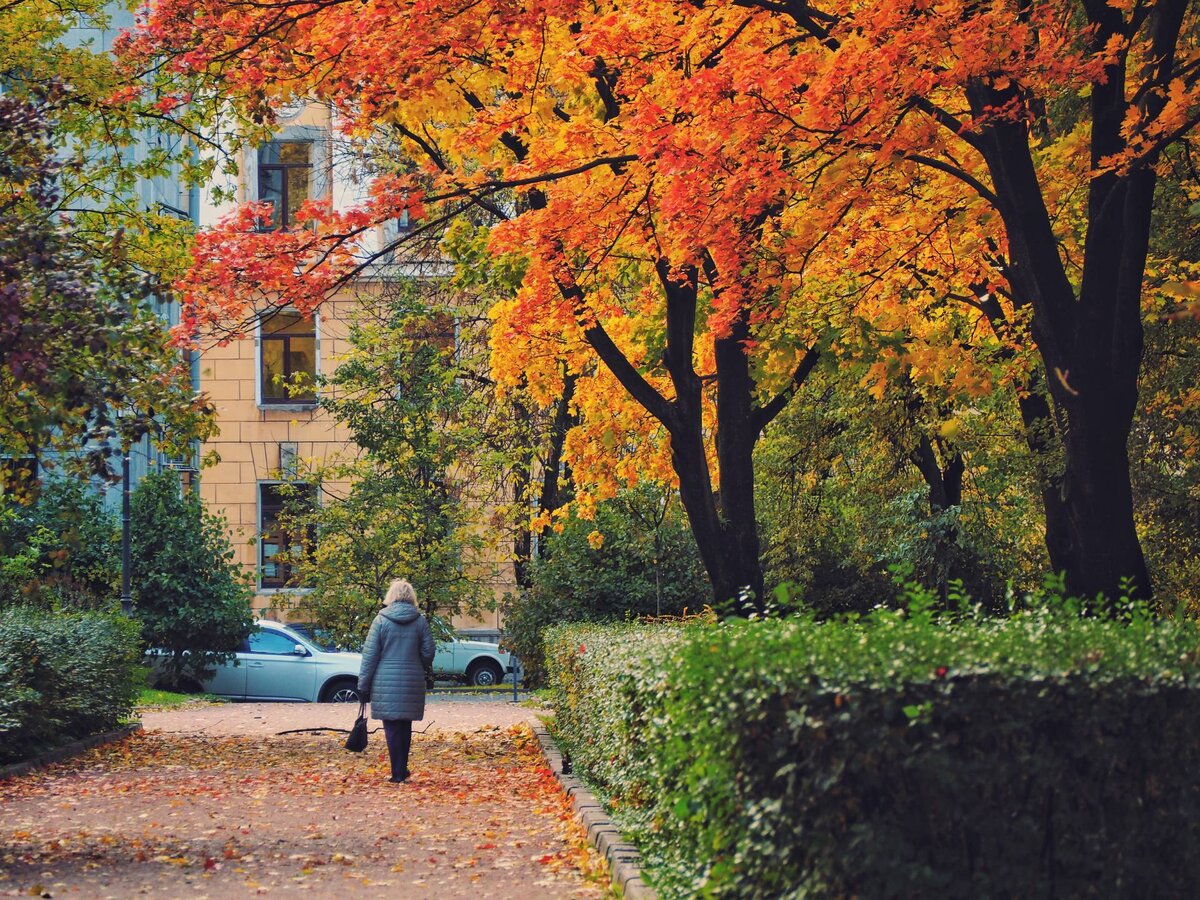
(209, 802)
(448, 713)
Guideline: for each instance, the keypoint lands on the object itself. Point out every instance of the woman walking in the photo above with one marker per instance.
(398, 649)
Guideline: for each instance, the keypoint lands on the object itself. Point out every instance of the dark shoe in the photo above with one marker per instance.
(402, 777)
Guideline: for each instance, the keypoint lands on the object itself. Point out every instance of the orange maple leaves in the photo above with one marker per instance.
(818, 165)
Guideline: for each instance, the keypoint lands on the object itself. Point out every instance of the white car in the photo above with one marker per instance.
(475, 662)
(276, 663)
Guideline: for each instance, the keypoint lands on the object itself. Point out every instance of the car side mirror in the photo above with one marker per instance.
(300, 651)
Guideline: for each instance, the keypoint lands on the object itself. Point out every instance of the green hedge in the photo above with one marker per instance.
(1042, 755)
(62, 676)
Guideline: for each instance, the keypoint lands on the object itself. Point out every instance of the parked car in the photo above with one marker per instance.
(279, 663)
(472, 662)
(317, 635)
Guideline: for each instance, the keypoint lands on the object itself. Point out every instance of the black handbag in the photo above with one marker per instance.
(357, 741)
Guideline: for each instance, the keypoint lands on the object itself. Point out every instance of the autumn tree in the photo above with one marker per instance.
(608, 171)
(708, 195)
(398, 505)
(517, 434)
(1056, 119)
(78, 334)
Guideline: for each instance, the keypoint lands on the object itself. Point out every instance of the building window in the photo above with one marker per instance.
(277, 547)
(284, 179)
(288, 370)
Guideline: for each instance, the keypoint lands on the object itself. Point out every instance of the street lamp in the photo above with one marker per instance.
(126, 595)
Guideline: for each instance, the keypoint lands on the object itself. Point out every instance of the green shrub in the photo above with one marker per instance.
(60, 552)
(63, 677)
(898, 755)
(192, 597)
(646, 564)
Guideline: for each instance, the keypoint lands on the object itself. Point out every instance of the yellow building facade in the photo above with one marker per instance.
(263, 385)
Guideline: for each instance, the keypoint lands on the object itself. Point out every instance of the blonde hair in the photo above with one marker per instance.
(400, 591)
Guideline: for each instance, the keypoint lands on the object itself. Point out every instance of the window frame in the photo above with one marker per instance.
(282, 213)
(284, 542)
(293, 403)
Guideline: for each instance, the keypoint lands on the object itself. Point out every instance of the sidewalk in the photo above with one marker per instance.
(462, 712)
(210, 803)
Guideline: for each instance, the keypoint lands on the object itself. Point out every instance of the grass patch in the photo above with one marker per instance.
(153, 698)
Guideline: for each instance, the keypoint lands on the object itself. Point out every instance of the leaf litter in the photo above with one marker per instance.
(201, 815)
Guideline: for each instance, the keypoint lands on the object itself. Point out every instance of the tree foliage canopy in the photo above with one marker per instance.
(188, 591)
(711, 196)
(78, 337)
(396, 508)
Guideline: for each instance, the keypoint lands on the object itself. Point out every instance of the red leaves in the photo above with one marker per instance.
(243, 262)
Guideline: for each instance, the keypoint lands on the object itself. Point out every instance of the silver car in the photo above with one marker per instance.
(480, 663)
(474, 662)
(276, 663)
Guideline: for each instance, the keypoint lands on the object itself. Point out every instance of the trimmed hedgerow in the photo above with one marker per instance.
(63, 676)
(1044, 754)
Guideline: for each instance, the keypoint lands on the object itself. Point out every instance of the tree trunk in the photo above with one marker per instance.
(554, 478)
(731, 561)
(1091, 345)
(737, 434)
(944, 482)
(1041, 437)
(520, 478)
(722, 521)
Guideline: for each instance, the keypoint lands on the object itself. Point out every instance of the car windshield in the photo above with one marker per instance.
(315, 635)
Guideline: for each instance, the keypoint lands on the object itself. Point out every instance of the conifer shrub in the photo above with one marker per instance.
(900, 754)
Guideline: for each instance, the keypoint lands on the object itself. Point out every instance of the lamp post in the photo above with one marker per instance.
(126, 596)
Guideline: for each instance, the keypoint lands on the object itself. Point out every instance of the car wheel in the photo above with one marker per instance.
(342, 691)
(484, 674)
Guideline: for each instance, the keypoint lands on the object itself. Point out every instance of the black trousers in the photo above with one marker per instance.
(399, 739)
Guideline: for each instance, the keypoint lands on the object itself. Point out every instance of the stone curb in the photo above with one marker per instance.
(66, 751)
(624, 861)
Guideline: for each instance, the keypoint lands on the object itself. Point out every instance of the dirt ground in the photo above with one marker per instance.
(211, 802)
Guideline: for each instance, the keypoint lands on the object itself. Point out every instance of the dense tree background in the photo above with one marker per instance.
(635, 558)
(61, 551)
(79, 340)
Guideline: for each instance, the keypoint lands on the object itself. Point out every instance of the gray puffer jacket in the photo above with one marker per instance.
(399, 646)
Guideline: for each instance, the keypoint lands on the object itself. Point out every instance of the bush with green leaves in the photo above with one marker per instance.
(900, 754)
(63, 677)
(644, 564)
(60, 551)
(190, 594)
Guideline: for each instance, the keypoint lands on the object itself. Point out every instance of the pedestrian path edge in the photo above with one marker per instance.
(66, 751)
(624, 861)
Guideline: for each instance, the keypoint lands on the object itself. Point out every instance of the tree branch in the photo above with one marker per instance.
(773, 407)
(611, 355)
